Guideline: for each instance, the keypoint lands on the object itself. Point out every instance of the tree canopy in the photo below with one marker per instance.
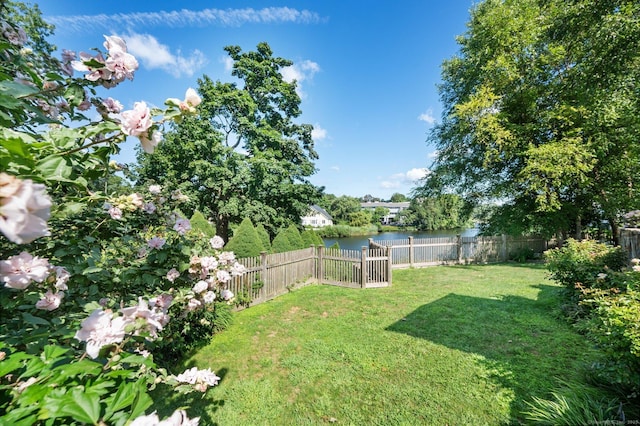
(243, 155)
(540, 114)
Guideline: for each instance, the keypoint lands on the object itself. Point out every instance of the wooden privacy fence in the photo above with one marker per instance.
(270, 275)
(416, 252)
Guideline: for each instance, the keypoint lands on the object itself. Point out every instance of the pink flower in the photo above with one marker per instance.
(155, 189)
(238, 269)
(208, 263)
(191, 101)
(209, 297)
(94, 73)
(200, 287)
(154, 319)
(149, 208)
(201, 379)
(193, 304)
(50, 301)
(114, 44)
(163, 302)
(23, 213)
(19, 271)
(226, 257)
(156, 242)
(149, 144)
(216, 242)
(122, 65)
(101, 328)
(115, 213)
(223, 276)
(178, 418)
(226, 294)
(182, 226)
(136, 121)
(62, 277)
(173, 274)
(112, 106)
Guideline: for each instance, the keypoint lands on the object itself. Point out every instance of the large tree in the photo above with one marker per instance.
(244, 155)
(540, 113)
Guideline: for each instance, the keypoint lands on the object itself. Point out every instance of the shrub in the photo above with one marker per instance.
(293, 235)
(264, 237)
(311, 238)
(281, 243)
(245, 241)
(201, 226)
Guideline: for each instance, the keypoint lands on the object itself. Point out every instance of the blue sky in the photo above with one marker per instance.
(367, 70)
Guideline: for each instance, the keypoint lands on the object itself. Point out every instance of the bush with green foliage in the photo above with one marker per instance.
(245, 241)
(604, 303)
(311, 238)
(281, 243)
(264, 237)
(295, 239)
(201, 226)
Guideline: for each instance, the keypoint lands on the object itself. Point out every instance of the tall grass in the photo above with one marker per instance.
(445, 345)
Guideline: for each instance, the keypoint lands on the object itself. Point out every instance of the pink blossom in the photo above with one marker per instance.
(226, 257)
(24, 213)
(163, 302)
(149, 144)
(142, 252)
(149, 208)
(136, 121)
(68, 55)
(173, 274)
(193, 304)
(50, 301)
(94, 74)
(84, 105)
(226, 294)
(101, 328)
(178, 418)
(19, 271)
(182, 226)
(223, 276)
(216, 242)
(15, 36)
(209, 297)
(201, 379)
(208, 263)
(154, 318)
(238, 269)
(112, 106)
(200, 287)
(191, 101)
(155, 189)
(62, 277)
(115, 213)
(122, 65)
(156, 242)
(114, 44)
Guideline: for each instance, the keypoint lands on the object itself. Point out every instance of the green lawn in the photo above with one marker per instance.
(463, 345)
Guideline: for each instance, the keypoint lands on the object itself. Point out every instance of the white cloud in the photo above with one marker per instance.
(228, 63)
(416, 174)
(427, 117)
(318, 133)
(335, 168)
(147, 49)
(185, 18)
(402, 180)
(300, 72)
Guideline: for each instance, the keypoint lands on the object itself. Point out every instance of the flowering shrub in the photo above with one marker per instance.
(104, 280)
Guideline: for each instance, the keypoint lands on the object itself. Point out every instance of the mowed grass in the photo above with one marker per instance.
(460, 345)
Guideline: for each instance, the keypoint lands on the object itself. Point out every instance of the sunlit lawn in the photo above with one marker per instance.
(444, 345)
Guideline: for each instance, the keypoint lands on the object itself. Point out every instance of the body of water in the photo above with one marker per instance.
(356, 243)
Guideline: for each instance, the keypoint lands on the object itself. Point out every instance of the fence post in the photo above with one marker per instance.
(263, 273)
(389, 265)
(504, 251)
(320, 268)
(411, 251)
(363, 268)
(459, 248)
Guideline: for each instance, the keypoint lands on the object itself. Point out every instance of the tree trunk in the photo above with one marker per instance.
(222, 228)
(578, 228)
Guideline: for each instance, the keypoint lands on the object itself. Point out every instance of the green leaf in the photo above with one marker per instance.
(80, 368)
(81, 405)
(123, 398)
(74, 94)
(13, 362)
(30, 319)
(17, 90)
(91, 270)
(55, 167)
(52, 352)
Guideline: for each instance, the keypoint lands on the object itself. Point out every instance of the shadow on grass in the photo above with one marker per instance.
(524, 346)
